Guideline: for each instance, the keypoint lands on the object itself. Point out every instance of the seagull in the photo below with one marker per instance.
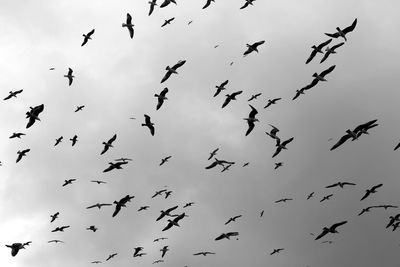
(342, 33)
(367, 209)
(58, 140)
(70, 76)
(140, 254)
(330, 51)
(278, 164)
(393, 219)
(87, 37)
(158, 261)
(272, 101)
(282, 145)
(159, 239)
(121, 203)
(149, 124)
(79, 108)
(326, 198)
(174, 222)
(60, 229)
(55, 241)
(252, 47)
(168, 21)
(254, 97)
(331, 229)
(226, 168)
(317, 49)
(226, 235)
(340, 184)
(204, 253)
(21, 154)
(111, 256)
(123, 159)
(167, 194)
(208, 3)
(69, 181)
(248, 2)
(283, 200)
(98, 181)
(245, 164)
(220, 87)
(74, 140)
(116, 165)
(164, 160)
(386, 206)
(98, 205)
(298, 93)
(219, 162)
(370, 191)
(129, 24)
(143, 208)
(188, 204)
(13, 94)
(15, 247)
(273, 132)
(167, 2)
(276, 250)
(310, 195)
(166, 213)
(108, 144)
(16, 135)
(152, 4)
(164, 250)
(92, 228)
(251, 119)
(96, 262)
(137, 250)
(230, 97)
(172, 70)
(213, 153)
(161, 97)
(54, 216)
(33, 114)
(321, 77)
(158, 193)
(233, 219)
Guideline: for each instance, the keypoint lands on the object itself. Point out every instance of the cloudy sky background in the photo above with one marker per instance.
(116, 78)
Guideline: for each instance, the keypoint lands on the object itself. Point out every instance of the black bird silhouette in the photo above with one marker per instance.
(15, 247)
(371, 191)
(152, 4)
(16, 135)
(331, 229)
(33, 114)
(157, 261)
(226, 235)
(204, 253)
(98, 181)
(58, 140)
(246, 164)
(220, 87)
(161, 97)
(281, 146)
(327, 197)
(158, 193)
(367, 209)
(98, 205)
(251, 119)
(70, 76)
(55, 241)
(164, 250)
(137, 250)
(164, 160)
(230, 97)
(219, 162)
(310, 195)
(87, 37)
(298, 93)
(74, 140)
(272, 101)
(69, 181)
(92, 228)
(283, 200)
(276, 250)
(252, 47)
(233, 219)
(172, 70)
(129, 24)
(96, 262)
(21, 154)
(174, 222)
(60, 229)
(111, 256)
(143, 208)
(148, 123)
(317, 78)
(278, 164)
(254, 96)
(123, 159)
(159, 239)
(208, 3)
(116, 165)
(79, 108)
(317, 49)
(342, 33)
(166, 213)
(121, 203)
(188, 204)
(13, 94)
(340, 184)
(167, 21)
(167, 2)
(393, 219)
(213, 153)
(247, 3)
(329, 51)
(108, 144)
(54, 216)
(273, 132)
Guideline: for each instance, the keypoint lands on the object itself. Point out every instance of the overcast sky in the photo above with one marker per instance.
(116, 78)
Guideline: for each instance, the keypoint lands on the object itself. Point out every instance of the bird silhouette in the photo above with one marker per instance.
(33, 115)
(54, 216)
(69, 181)
(220, 88)
(92, 228)
(276, 250)
(163, 251)
(12, 94)
(98, 205)
(213, 153)
(247, 3)
(128, 24)
(79, 108)
(174, 222)
(254, 97)
(21, 154)
(70, 76)
(116, 165)
(74, 140)
(331, 229)
(272, 101)
(60, 229)
(230, 97)
(148, 124)
(204, 253)
(226, 235)
(251, 119)
(166, 212)
(329, 51)
(152, 4)
(87, 37)
(111, 256)
(16, 135)
(342, 33)
(208, 3)
(167, 21)
(233, 219)
(167, 2)
(15, 247)
(253, 47)
(161, 97)
(172, 70)
(58, 140)
(317, 49)
(108, 144)
(280, 146)
(371, 191)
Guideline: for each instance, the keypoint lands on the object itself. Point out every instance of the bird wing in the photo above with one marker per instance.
(169, 225)
(324, 44)
(226, 102)
(312, 55)
(278, 149)
(334, 226)
(245, 5)
(327, 71)
(284, 143)
(333, 35)
(364, 125)
(179, 64)
(165, 3)
(332, 185)
(212, 165)
(164, 91)
(236, 93)
(224, 83)
(343, 139)
(91, 206)
(309, 86)
(128, 18)
(90, 33)
(222, 236)
(232, 234)
(147, 119)
(365, 196)
(350, 28)
(376, 186)
(326, 55)
(248, 51)
(112, 139)
(166, 76)
(324, 232)
(251, 127)
(207, 4)
(337, 45)
(151, 9)
(131, 31)
(258, 43)
(171, 209)
(117, 209)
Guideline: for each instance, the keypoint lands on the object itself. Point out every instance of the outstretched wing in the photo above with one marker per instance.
(351, 27)
(179, 64)
(324, 232)
(327, 71)
(343, 139)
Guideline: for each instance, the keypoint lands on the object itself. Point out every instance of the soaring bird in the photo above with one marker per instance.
(15, 247)
(152, 4)
(129, 24)
(58, 140)
(204, 253)
(233, 219)
(252, 47)
(226, 235)
(245, 164)
(111, 256)
(60, 229)
(167, 2)
(121, 203)
(87, 37)
(386, 206)
(272, 101)
(166, 212)
(137, 250)
(321, 77)
(393, 219)
(254, 96)
(247, 3)
(143, 208)
(220, 87)
(276, 250)
(55, 241)
(167, 21)
(21, 154)
(281, 146)
(116, 165)
(79, 108)
(367, 209)
(54, 216)
(219, 162)
(342, 33)
(69, 181)
(13, 94)
(108, 144)
(273, 132)
(213, 153)
(148, 123)
(92, 228)
(74, 140)
(230, 97)
(189, 204)
(174, 222)
(310, 195)
(340, 184)
(161, 97)
(329, 51)
(16, 135)
(283, 200)
(164, 160)
(317, 49)
(33, 115)
(98, 205)
(159, 192)
(172, 70)
(225, 168)
(70, 76)
(208, 3)
(331, 229)
(277, 165)
(164, 250)
(327, 197)
(123, 159)
(371, 191)
(251, 119)
(157, 261)
(159, 239)
(98, 181)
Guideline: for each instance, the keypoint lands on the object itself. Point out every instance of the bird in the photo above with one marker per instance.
(108, 144)
(371, 190)
(283, 200)
(96, 262)
(174, 222)
(272, 101)
(21, 154)
(166, 212)
(158, 193)
(219, 162)
(13, 94)
(98, 181)
(367, 209)
(167, 21)
(69, 181)
(137, 250)
(164, 160)
(111, 256)
(397, 146)
(329, 51)
(123, 159)
(245, 164)
(60, 229)
(254, 97)
(55, 241)
(158, 261)
(276, 250)
(204, 253)
(167, 2)
(16, 135)
(321, 77)
(79, 108)
(342, 33)
(251, 119)
(220, 87)
(252, 47)
(143, 208)
(261, 213)
(188, 204)
(87, 37)
(331, 229)
(172, 70)
(163, 251)
(225, 168)
(226, 235)
(230, 97)
(33, 115)
(273, 132)
(213, 153)
(148, 124)
(74, 140)
(15, 247)
(159, 239)
(167, 194)
(327, 197)
(70, 76)
(161, 97)
(98, 205)
(54, 216)
(129, 24)
(208, 3)
(116, 165)
(247, 3)
(277, 165)
(281, 146)
(92, 228)
(317, 49)
(121, 203)
(58, 140)
(233, 219)
(140, 254)
(340, 184)
(310, 195)
(393, 219)
(298, 93)
(152, 4)
(386, 206)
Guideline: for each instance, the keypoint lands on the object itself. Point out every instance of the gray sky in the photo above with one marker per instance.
(117, 77)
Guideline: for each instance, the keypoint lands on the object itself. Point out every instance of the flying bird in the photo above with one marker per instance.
(60, 229)
(74, 140)
(276, 250)
(111, 256)
(70, 76)
(342, 33)
(340, 184)
(281, 146)
(298, 93)
(166, 212)
(15, 247)
(54, 216)
(371, 191)
(116, 165)
(233, 219)
(329, 51)
(167, 2)
(148, 124)
(121, 203)
(143, 208)
(317, 49)
(98, 181)
(189, 204)
(69, 181)
(277, 165)
(164, 160)
(226, 235)
(204, 253)
(16, 135)
(247, 3)
(161, 97)
(152, 4)
(98, 205)
(137, 250)
(331, 229)
(310, 195)
(367, 209)
(219, 162)
(172, 70)
(252, 47)
(79, 108)
(245, 164)
(208, 3)
(167, 21)
(87, 37)
(174, 222)
(213, 153)
(283, 200)
(220, 87)
(158, 193)
(21, 154)
(58, 140)
(272, 101)
(108, 144)
(273, 132)
(164, 250)
(92, 228)
(13, 94)
(33, 115)
(55, 241)
(251, 119)
(129, 24)
(327, 197)
(254, 96)
(230, 97)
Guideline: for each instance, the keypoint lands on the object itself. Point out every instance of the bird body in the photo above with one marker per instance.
(230, 97)
(253, 47)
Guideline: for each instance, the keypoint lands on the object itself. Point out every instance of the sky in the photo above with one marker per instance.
(116, 78)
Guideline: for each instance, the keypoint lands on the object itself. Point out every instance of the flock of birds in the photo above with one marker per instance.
(170, 216)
